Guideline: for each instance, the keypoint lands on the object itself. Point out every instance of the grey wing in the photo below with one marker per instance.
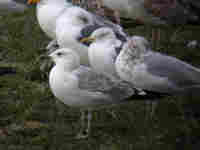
(91, 81)
(178, 73)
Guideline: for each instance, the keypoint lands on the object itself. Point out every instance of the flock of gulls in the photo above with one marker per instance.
(97, 63)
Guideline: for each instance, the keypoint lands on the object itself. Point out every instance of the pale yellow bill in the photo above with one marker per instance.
(87, 39)
(33, 1)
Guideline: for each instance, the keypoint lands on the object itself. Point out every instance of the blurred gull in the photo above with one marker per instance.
(47, 13)
(80, 86)
(153, 11)
(153, 71)
(156, 13)
(11, 6)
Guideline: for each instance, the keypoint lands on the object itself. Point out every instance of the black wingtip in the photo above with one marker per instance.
(146, 96)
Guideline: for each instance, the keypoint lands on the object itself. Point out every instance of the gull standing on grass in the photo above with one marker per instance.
(79, 86)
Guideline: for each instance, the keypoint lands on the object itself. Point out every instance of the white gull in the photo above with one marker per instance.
(79, 86)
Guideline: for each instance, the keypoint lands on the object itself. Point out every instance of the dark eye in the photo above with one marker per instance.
(84, 19)
(59, 54)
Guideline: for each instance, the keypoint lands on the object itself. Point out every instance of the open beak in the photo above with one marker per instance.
(33, 1)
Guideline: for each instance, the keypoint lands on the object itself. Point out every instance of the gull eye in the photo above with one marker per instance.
(84, 19)
(59, 54)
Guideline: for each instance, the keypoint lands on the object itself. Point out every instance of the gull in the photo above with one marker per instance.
(11, 6)
(47, 13)
(153, 71)
(74, 23)
(80, 86)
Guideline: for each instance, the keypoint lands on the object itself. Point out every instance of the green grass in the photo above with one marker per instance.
(31, 118)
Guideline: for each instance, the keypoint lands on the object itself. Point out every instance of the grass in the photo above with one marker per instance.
(31, 118)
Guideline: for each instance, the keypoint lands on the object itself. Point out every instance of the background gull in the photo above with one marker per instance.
(158, 13)
(80, 86)
(47, 13)
(155, 11)
(154, 71)
(11, 6)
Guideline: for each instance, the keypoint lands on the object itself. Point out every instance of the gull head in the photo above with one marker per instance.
(65, 57)
(99, 34)
(138, 43)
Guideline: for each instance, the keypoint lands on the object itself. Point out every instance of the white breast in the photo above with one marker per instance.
(101, 57)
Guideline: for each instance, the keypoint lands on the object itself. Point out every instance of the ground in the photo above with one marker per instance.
(31, 117)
